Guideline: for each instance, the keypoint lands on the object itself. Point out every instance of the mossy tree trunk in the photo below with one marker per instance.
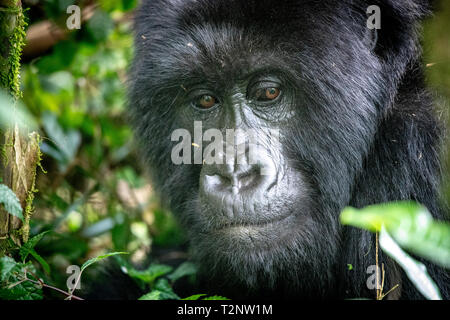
(20, 151)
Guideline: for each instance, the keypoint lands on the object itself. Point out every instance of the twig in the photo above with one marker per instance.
(70, 294)
(51, 287)
(377, 274)
(392, 289)
(42, 284)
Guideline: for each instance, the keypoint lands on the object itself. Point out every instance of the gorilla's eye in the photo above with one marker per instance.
(271, 93)
(265, 93)
(205, 101)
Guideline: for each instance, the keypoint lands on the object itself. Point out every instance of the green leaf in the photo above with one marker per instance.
(410, 224)
(216, 298)
(28, 248)
(195, 297)
(151, 274)
(164, 286)
(416, 271)
(41, 261)
(7, 264)
(30, 244)
(153, 295)
(99, 258)
(390, 214)
(10, 202)
(185, 269)
(161, 291)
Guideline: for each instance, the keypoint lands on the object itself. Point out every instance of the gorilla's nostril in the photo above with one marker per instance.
(217, 180)
(233, 182)
(224, 180)
(248, 179)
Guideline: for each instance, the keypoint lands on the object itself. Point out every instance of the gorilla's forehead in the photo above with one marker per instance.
(223, 40)
(221, 52)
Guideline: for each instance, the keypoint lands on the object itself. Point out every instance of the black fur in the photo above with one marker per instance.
(364, 128)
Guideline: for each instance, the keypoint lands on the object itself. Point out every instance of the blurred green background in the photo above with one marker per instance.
(95, 194)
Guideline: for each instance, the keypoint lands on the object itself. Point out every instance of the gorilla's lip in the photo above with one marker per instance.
(252, 224)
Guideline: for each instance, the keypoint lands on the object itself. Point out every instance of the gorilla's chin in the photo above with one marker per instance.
(258, 258)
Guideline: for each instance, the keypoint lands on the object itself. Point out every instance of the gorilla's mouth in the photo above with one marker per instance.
(251, 225)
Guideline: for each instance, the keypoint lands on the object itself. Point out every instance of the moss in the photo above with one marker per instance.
(12, 18)
(4, 153)
(25, 230)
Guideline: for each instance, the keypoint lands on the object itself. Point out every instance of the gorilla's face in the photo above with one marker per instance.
(248, 189)
(253, 212)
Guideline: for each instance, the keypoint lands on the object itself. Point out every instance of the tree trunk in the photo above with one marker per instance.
(20, 152)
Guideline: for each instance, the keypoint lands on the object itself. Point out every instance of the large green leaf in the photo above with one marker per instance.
(410, 224)
(10, 202)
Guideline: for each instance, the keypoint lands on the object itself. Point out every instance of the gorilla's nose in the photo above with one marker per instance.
(234, 179)
(248, 172)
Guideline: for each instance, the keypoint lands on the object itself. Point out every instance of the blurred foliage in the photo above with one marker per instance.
(436, 45)
(409, 223)
(94, 196)
(436, 42)
(411, 226)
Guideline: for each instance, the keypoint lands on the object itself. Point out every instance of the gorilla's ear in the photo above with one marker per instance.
(395, 37)
(392, 24)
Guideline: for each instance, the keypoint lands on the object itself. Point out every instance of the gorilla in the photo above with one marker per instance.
(355, 126)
